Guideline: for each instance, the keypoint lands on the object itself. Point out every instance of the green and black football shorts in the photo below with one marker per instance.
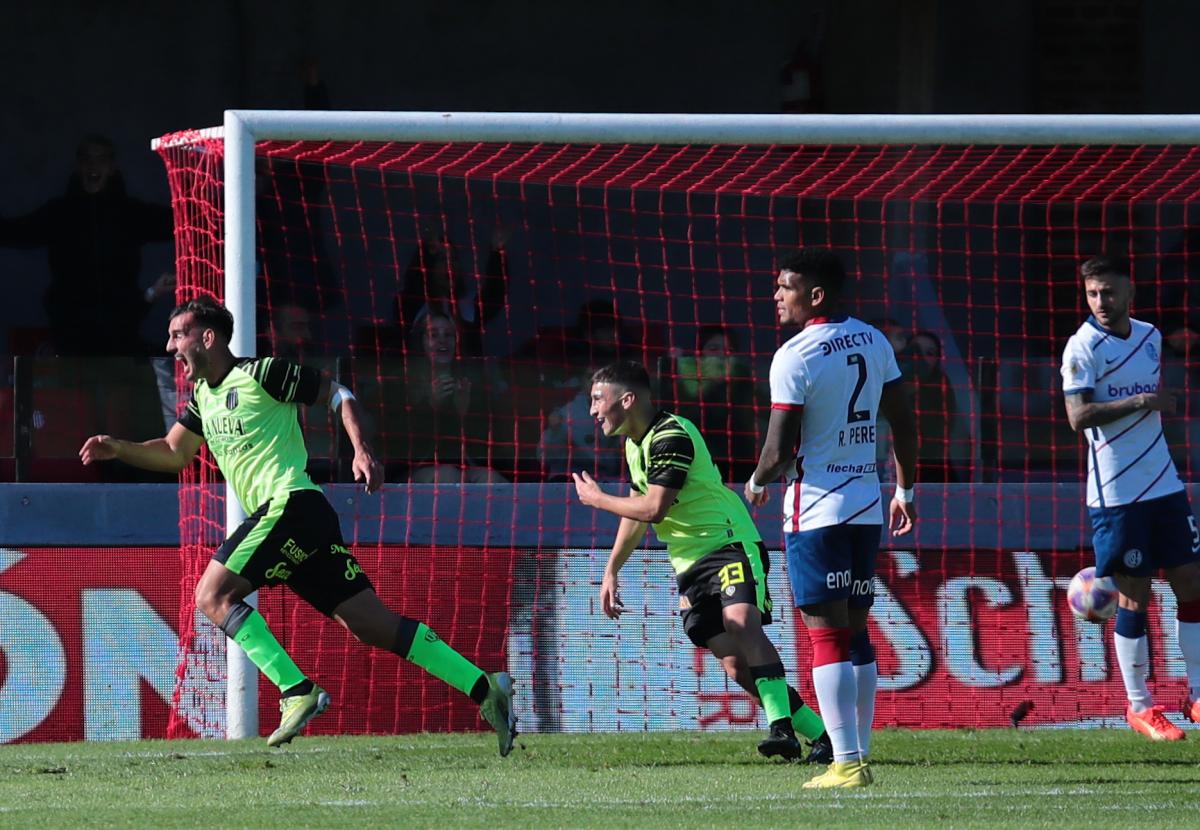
(296, 540)
(730, 575)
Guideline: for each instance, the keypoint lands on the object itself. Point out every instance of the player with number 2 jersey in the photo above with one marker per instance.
(828, 385)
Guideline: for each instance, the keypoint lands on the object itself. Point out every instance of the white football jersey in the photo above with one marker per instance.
(835, 369)
(1128, 460)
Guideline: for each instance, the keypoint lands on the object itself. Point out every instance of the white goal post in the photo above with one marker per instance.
(242, 129)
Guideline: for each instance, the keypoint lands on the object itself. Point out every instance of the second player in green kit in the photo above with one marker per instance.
(720, 562)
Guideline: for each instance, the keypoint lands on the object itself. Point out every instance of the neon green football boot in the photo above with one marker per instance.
(497, 710)
(295, 712)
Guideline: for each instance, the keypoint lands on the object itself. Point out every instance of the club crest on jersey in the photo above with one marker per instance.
(1075, 369)
(231, 400)
(1132, 558)
(1151, 352)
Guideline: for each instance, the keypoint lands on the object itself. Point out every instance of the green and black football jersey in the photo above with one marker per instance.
(706, 514)
(251, 423)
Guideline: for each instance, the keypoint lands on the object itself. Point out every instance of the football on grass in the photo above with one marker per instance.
(1090, 597)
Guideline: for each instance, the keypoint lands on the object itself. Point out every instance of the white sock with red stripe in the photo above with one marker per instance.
(837, 690)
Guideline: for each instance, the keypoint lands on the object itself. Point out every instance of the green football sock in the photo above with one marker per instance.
(772, 691)
(265, 652)
(805, 721)
(432, 654)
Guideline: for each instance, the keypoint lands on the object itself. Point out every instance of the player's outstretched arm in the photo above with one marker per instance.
(341, 400)
(894, 405)
(1083, 412)
(169, 454)
(629, 535)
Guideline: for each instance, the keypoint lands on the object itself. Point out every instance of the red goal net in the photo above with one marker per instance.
(466, 291)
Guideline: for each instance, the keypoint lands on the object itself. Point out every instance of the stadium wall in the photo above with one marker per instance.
(969, 621)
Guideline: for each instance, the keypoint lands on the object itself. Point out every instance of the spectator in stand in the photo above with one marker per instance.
(448, 404)
(437, 281)
(288, 333)
(935, 407)
(93, 235)
(600, 337)
(715, 391)
(564, 353)
(896, 334)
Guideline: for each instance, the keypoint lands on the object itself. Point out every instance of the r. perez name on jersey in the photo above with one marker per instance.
(835, 369)
(1128, 459)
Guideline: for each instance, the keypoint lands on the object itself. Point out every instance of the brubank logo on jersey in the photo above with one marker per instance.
(846, 341)
(1130, 391)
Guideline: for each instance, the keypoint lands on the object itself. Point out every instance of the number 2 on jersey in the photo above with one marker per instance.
(855, 415)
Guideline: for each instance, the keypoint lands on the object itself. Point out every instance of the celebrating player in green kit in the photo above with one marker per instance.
(720, 562)
(246, 409)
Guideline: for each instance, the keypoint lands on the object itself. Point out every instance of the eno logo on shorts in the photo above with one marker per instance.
(837, 579)
(1132, 558)
(841, 579)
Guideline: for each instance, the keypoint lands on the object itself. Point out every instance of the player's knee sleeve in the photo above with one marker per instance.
(239, 612)
(862, 652)
(406, 632)
(1131, 624)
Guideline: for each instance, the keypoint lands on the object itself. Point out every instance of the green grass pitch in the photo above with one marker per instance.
(994, 778)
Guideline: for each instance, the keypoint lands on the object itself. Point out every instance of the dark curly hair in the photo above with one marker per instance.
(208, 313)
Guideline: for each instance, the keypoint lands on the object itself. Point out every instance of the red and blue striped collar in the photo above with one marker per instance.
(821, 321)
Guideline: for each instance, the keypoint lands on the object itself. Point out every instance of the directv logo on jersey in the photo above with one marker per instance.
(846, 341)
(1130, 391)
